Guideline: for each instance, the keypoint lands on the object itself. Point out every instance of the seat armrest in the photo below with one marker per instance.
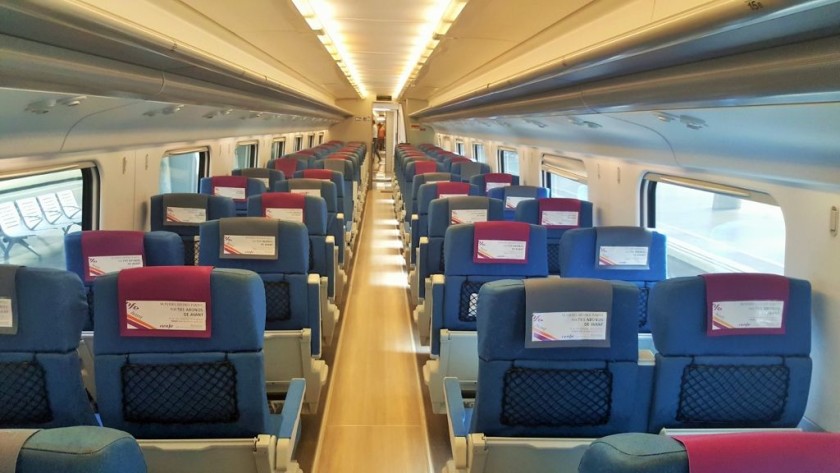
(455, 412)
(332, 264)
(292, 407)
(313, 304)
(435, 308)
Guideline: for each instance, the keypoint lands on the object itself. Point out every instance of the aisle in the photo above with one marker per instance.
(374, 419)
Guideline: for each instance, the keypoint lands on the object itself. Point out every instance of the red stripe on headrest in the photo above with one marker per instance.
(559, 205)
(110, 243)
(499, 177)
(323, 174)
(424, 167)
(743, 287)
(452, 188)
(287, 165)
(499, 232)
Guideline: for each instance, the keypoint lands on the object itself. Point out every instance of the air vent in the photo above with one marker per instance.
(384, 98)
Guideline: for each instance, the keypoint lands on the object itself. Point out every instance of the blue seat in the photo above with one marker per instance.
(494, 180)
(81, 449)
(183, 213)
(347, 196)
(413, 168)
(631, 254)
(292, 295)
(718, 364)
(268, 176)
(475, 254)
(323, 254)
(513, 195)
(430, 258)
(288, 165)
(558, 216)
(452, 159)
(411, 195)
(40, 371)
(466, 170)
(192, 388)
(558, 365)
(238, 188)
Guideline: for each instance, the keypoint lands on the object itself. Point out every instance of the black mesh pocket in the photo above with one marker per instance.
(189, 393)
(24, 400)
(469, 301)
(89, 322)
(745, 395)
(191, 249)
(442, 261)
(643, 305)
(554, 258)
(278, 303)
(556, 398)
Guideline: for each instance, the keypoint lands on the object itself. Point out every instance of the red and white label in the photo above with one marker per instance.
(250, 245)
(99, 265)
(287, 215)
(166, 315)
(185, 215)
(232, 192)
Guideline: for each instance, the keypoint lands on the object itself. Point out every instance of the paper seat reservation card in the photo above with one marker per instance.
(502, 250)
(512, 202)
(623, 256)
(288, 215)
(496, 185)
(730, 315)
(467, 216)
(232, 192)
(250, 245)
(568, 326)
(99, 265)
(559, 218)
(185, 215)
(6, 319)
(166, 315)
(312, 192)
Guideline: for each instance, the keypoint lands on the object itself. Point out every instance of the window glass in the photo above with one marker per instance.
(37, 211)
(311, 140)
(564, 187)
(321, 139)
(278, 148)
(298, 143)
(478, 153)
(180, 172)
(246, 156)
(459, 148)
(509, 161)
(716, 232)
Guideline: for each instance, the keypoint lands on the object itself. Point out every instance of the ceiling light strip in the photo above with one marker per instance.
(443, 16)
(324, 27)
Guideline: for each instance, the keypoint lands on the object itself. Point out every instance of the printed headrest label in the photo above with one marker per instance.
(512, 201)
(166, 315)
(568, 326)
(617, 256)
(559, 218)
(237, 193)
(183, 215)
(457, 216)
(502, 250)
(496, 185)
(250, 245)
(264, 180)
(288, 215)
(312, 192)
(6, 316)
(99, 265)
(739, 315)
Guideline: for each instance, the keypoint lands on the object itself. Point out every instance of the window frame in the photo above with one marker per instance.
(320, 138)
(563, 167)
(500, 161)
(298, 143)
(203, 161)
(282, 143)
(311, 140)
(253, 155)
(479, 157)
(460, 147)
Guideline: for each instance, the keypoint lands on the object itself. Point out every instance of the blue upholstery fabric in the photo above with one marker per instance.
(217, 207)
(501, 349)
(579, 259)
(529, 212)
(273, 175)
(481, 181)
(345, 196)
(81, 450)
(752, 364)
(238, 323)
(635, 453)
(426, 193)
(301, 162)
(51, 311)
(457, 169)
(502, 193)
(460, 270)
(329, 193)
(255, 186)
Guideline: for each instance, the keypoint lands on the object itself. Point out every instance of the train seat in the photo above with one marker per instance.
(183, 213)
(411, 201)
(420, 222)
(288, 165)
(475, 255)
(453, 159)
(733, 351)
(79, 449)
(512, 195)
(238, 188)
(632, 254)
(329, 191)
(558, 216)
(466, 170)
(323, 255)
(558, 367)
(494, 180)
(42, 312)
(411, 168)
(346, 167)
(277, 251)
(767, 452)
(430, 256)
(191, 389)
(268, 176)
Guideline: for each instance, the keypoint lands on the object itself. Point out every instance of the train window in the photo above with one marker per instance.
(246, 156)
(509, 161)
(565, 177)
(278, 148)
(311, 141)
(37, 210)
(715, 228)
(180, 171)
(459, 148)
(478, 153)
(320, 138)
(298, 143)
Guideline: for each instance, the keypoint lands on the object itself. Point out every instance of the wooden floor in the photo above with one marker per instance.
(375, 415)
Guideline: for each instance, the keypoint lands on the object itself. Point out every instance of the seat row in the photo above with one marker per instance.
(179, 364)
(559, 365)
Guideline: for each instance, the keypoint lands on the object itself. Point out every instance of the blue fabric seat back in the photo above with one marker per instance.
(285, 275)
(40, 373)
(160, 248)
(329, 192)
(580, 258)
(513, 195)
(288, 165)
(346, 169)
(426, 193)
(351, 169)
(80, 449)
(739, 380)
(266, 175)
(327, 175)
(411, 168)
(528, 211)
(419, 180)
(178, 386)
(216, 207)
(465, 171)
(480, 180)
(253, 186)
(544, 386)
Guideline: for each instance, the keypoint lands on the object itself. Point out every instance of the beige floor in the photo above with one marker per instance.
(375, 419)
